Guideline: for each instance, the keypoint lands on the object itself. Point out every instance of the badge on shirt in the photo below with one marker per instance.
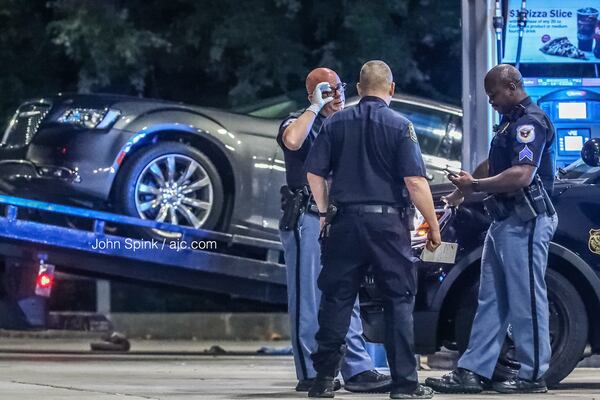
(526, 153)
(594, 241)
(525, 134)
(412, 133)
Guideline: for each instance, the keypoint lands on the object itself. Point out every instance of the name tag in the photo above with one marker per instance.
(445, 253)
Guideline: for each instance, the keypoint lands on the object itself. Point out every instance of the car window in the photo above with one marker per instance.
(578, 170)
(436, 137)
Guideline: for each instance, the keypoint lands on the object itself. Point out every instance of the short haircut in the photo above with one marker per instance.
(505, 74)
(375, 75)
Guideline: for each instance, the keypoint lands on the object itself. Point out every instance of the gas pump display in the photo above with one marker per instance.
(556, 45)
(557, 31)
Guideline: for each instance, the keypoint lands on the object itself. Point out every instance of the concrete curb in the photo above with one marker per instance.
(181, 326)
(203, 326)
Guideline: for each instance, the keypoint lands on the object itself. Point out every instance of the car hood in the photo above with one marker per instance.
(232, 122)
(242, 123)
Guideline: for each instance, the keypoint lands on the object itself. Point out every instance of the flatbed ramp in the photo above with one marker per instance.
(95, 252)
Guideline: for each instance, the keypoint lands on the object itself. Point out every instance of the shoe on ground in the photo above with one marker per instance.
(370, 381)
(304, 385)
(458, 381)
(322, 388)
(519, 385)
(421, 392)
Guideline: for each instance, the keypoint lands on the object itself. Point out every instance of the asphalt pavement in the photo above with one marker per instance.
(67, 369)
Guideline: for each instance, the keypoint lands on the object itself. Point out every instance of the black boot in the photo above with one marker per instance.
(458, 381)
(421, 392)
(519, 385)
(305, 384)
(322, 388)
(370, 381)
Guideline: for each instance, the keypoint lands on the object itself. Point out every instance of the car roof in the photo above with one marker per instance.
(417, 101)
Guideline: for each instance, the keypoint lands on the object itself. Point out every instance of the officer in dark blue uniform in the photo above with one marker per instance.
(515, 253)
(299, 231)
(373, 155)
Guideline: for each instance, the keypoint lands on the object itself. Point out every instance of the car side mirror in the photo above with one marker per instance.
(590, 153)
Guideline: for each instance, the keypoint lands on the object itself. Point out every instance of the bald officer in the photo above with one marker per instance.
(299, 231)
(374, 158)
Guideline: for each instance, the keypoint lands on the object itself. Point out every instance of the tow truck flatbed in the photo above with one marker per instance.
(75, 250)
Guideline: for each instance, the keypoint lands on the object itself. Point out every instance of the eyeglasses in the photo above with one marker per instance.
(339, 88)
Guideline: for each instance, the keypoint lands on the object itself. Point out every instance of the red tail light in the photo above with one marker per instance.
(44, 280)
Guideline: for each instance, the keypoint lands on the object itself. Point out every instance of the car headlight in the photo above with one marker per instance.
(90, 118)
(419, 234)
(421, 227)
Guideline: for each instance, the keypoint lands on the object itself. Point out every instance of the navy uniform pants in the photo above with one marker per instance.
(356, 241)
(303, 261)
(513, 291)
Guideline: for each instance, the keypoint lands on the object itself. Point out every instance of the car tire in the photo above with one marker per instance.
(141, 174)
(568, 326)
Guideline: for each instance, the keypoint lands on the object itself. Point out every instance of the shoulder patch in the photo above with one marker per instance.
(412, 133)
(525, 134)
(526, 153)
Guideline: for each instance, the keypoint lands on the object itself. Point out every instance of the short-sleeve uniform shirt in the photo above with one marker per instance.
(529, 140)
(295, 172)
(367, 149)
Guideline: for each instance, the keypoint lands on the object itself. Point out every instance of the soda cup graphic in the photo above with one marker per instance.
(597, 37)
(586, 23)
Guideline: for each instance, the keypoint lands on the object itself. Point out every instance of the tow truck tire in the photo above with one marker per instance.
(138, 176)
(568, 325)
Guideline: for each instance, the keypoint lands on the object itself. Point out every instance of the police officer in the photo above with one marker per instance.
(515, 253)
(374, 158)
(299, 231)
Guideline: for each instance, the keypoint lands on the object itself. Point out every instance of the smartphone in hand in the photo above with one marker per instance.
(451, 173)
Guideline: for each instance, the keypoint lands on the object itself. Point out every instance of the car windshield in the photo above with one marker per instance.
(272, 108)
(577, 170)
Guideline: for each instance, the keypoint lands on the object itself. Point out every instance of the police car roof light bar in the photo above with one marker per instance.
(521, 23)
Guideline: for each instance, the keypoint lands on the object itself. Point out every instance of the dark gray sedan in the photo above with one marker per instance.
(174, 162)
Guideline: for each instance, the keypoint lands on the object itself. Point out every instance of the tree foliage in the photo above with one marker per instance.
(222, 52)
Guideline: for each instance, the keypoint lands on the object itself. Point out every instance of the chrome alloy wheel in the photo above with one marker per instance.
(174, 188)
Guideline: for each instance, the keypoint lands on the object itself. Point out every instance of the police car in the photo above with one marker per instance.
(447, 297)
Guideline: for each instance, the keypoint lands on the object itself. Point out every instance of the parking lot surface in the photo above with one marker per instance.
(66, 369)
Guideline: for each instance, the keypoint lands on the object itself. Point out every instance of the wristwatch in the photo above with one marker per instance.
(322, 214)
(475, 185)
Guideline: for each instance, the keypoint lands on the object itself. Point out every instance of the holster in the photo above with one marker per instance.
(293, 203)
(496, 208)
(526, 203)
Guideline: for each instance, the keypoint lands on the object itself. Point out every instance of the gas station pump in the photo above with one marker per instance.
(576, 117)
(556, 46)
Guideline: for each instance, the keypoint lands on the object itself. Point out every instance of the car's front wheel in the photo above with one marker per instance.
(170, 182)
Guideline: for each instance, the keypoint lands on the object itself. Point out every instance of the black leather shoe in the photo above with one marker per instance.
(421, 392)
(518, 385)
(305, 384)
(322, 388)
(369, 382)
(458, 381)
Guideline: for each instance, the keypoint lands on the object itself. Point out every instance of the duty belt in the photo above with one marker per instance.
(312, 207)
(369, 209)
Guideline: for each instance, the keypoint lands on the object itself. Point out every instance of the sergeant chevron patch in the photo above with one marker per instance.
(526, 153)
